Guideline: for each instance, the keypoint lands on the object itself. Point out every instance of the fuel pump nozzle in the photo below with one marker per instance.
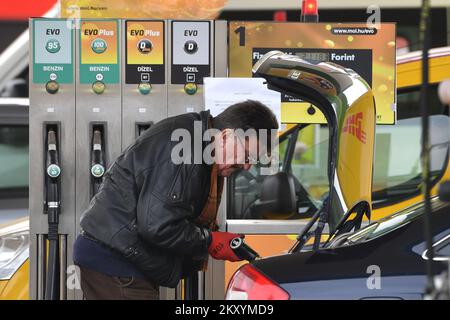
(52, 209)
(242, 250)
(53, 169)
(97, 160)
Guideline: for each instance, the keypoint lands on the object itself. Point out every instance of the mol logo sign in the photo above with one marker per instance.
(353, 126)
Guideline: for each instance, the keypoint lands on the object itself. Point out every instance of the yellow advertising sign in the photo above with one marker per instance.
(141, 9)
(369, 52)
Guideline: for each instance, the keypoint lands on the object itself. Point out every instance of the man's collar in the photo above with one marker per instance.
(207, 123)
(205, 117)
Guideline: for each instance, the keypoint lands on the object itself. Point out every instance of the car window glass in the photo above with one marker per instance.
(444, 250)
(397, 166)
(310, 161)
(303, 153)
(13, 157)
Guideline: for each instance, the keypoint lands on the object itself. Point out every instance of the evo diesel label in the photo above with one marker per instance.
(191, 60)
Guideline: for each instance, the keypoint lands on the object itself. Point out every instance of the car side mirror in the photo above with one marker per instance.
(444, 191)
(277, 197)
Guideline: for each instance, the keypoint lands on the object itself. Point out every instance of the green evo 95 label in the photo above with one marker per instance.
(53, 50)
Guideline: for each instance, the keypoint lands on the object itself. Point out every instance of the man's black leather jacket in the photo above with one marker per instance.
(146, 206)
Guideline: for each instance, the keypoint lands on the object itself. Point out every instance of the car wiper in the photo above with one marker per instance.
(321, 217)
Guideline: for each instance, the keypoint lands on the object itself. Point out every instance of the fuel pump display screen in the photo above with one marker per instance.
(145, 52)
(368, 51)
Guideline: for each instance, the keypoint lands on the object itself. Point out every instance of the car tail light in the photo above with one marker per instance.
(249, 284)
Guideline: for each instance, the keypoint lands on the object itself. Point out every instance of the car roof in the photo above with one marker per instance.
(17, 225)
(417, 55)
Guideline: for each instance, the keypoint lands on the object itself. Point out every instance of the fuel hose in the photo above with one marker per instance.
(53, 210)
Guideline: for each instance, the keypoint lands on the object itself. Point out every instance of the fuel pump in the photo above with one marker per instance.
(52, 137)
(98, 105)
(52, 208)
(93, 90)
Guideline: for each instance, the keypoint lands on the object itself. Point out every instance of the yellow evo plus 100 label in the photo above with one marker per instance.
(99, 51)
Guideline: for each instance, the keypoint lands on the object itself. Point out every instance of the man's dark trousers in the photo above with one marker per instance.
(98, 286)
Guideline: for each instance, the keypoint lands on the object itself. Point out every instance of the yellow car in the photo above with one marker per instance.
(14, 262)
(14, 222)
(392, 191)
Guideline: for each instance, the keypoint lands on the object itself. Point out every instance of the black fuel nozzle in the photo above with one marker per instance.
(53, 168)
(97, 160)
(53, 171)
(242, 250)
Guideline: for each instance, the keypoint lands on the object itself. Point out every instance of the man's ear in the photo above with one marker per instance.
(221, 139)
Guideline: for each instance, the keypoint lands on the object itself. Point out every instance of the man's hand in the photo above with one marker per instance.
(219, 247)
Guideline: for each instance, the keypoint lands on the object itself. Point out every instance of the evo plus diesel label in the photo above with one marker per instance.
(144, 52)
(52, 51)
(99, 51)
(191, 48)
